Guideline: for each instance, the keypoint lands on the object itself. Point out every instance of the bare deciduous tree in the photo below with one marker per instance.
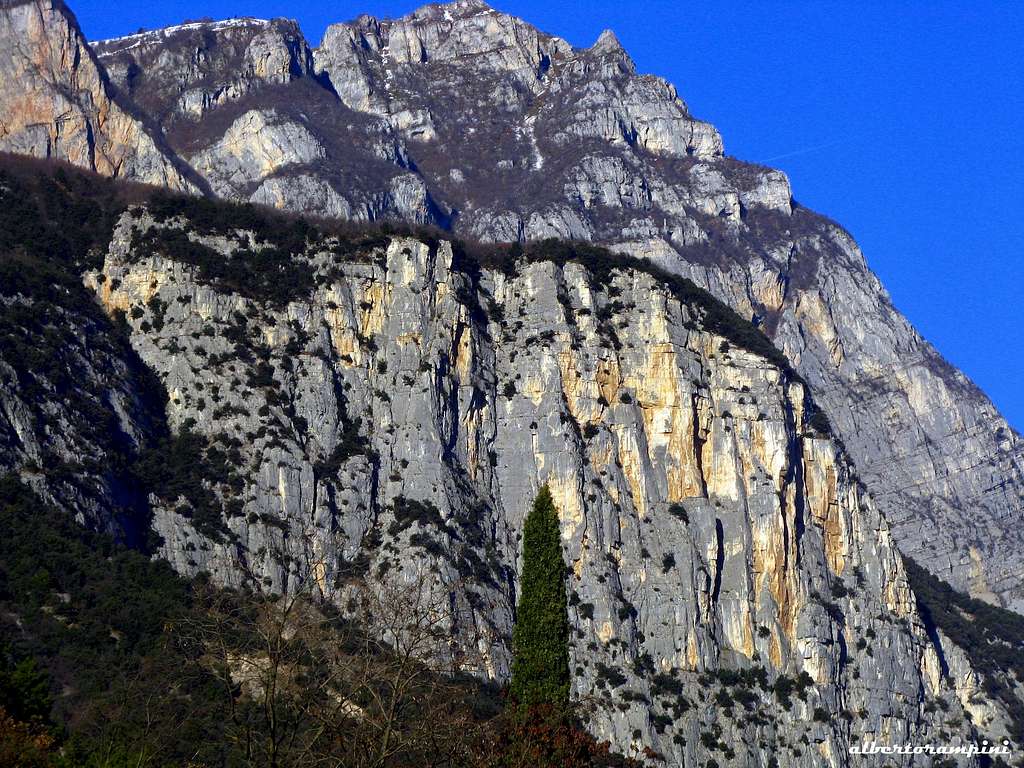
(307, 685)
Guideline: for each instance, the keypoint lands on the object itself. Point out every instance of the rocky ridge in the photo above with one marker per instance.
(551, 141)
(241, 102)
(227, 60)
(395, 414)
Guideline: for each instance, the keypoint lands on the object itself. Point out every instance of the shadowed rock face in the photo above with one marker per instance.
(465, 117)
(186, 71)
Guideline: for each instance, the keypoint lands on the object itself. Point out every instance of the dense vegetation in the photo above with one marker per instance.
(209, 217)
(992, 637)
(183, 469)
(55, 222)
(269, 274)
(91, 614)
(540, 667)
(108, 658)
(62, 216)
(268, 263)
(66, 356)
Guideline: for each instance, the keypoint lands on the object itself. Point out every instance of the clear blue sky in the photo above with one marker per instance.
(904, 121)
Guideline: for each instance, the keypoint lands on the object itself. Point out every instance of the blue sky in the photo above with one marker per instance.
(904, 121)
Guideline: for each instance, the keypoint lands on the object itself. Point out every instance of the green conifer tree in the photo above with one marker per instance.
(540, 641)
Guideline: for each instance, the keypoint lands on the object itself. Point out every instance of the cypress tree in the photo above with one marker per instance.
(540, 641)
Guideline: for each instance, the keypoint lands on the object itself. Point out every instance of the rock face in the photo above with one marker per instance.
(55, 101)
(74, 404)
(464, 117)
(186, 71)
(391, 412)
(386, 409)
(240, 102)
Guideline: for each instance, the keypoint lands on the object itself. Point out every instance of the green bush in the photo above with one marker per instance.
(187, 466)
(24, 688)
(65, 595)
(679, 512)
(412, 511)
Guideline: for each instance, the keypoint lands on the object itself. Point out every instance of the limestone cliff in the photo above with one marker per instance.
(471, 119)
(388, 408)
(55, 101)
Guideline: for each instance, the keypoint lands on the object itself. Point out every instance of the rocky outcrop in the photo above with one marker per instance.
(582, 161)
(240, 101)
(255, 146)
(55, 101)
(390, 411)
(502, 132)
(399, 119)
(183, 72)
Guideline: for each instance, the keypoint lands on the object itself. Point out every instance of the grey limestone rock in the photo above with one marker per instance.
(714, 537)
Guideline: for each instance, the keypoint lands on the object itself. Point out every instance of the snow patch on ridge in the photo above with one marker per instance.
(114, 45)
